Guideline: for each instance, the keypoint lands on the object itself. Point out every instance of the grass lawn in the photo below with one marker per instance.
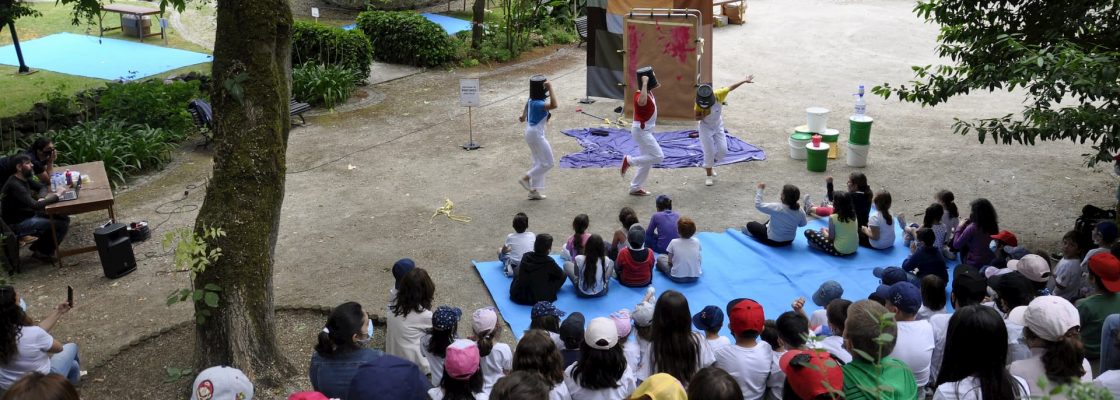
(21, 92)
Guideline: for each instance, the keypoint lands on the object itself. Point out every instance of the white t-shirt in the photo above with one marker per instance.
(600, 281)
(1032, 368)
(632, 349)
(940, 323)
(435, 363)
(749, 366)
(404, 336)
(559, 392)
(495, 365)
(835, 346)
(1110, 380)
(31, 355)
(969, 389)
(686, 257)
(777, 378)
(718, 343)
(626, 385)
(886, 232)
(436, 393)
(645, 366)
(519, 244)
(915, 348)
(925, 312)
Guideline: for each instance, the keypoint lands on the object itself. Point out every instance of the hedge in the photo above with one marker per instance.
(320, 44)
(405, 37)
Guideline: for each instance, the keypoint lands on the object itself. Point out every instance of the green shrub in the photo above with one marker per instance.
(322, 85)
(405, 37)
(124, 148)
(152, 103)
(321, 44)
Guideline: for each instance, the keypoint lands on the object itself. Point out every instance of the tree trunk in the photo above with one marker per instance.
(251, 70)
(478, 19)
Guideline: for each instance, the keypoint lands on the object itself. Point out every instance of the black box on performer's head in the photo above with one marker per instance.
(536, 87)
(646, 71)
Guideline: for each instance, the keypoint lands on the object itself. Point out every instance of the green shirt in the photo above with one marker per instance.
(846, 237)
(894, 375)
(1093, 310)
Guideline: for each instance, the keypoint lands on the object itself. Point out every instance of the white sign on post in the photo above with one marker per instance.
(315, 12)
(468, 93)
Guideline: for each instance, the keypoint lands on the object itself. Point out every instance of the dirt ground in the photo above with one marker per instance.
(362, 185)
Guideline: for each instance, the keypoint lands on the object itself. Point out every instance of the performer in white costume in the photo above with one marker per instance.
(536, 115)
(645, 119)
(709, 109)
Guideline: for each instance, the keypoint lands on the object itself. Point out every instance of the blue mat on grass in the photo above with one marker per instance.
(735, 266)
(450, 24)
(108, 59)
(680, 150)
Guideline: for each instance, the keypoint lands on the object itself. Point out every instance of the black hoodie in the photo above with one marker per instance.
(538, 279)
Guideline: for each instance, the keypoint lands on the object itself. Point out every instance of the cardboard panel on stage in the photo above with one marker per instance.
(671, 44)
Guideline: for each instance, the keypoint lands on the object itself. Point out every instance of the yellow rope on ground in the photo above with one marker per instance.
(446, 210)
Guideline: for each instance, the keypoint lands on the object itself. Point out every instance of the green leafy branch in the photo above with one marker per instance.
(193, 255)
(886, 320)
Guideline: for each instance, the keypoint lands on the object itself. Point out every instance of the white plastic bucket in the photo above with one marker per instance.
(797, 148)
(818, 119)
(857, 154)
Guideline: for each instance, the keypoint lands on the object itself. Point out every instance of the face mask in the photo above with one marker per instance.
(992, 246)
(369, 334)
(22, 305)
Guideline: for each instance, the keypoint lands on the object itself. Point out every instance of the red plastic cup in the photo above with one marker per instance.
(816, 140)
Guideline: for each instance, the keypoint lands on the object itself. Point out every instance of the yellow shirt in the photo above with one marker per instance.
(721, 96)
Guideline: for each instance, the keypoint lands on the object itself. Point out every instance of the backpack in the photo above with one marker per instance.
(1091, 216)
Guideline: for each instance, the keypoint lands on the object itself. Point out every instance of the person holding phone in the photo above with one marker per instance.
(43, 155)
(26, 347)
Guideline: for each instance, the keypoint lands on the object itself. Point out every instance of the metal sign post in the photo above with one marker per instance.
(469, 98)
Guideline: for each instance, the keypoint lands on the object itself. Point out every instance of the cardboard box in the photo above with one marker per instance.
(735, 12)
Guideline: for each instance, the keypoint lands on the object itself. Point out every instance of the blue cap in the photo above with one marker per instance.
(881, 293)
(829, 291)
(1108, 230)
(389, 378)
(446, 318)
(905, 296)
(400, 268)
(891, 275)
(546, 308)
(710, 318)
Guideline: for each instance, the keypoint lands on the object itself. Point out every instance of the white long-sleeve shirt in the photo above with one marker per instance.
(784, 221)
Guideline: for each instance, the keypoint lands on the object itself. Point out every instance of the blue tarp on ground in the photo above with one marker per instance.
(735, 266)
(450, 24)
(680, 150)
(92, 57)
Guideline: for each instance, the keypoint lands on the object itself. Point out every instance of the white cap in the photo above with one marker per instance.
(643, 314)
(601, 334)
(1049, 317)
(222, 383)
(1032, 266)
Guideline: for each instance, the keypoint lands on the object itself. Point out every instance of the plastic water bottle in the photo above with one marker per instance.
(861, 105)
(69, 179)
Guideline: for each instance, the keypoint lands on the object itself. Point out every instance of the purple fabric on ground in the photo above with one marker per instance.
(680, 150)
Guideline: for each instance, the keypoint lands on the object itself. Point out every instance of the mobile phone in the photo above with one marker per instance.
(70, 295)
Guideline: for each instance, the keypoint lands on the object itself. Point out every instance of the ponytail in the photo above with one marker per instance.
(486, 342)
(579, 225)
(1063, 359)
(882, 202)
(337, 337)
(437, 346)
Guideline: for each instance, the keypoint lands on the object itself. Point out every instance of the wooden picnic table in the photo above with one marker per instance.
(136, 11)
(95, 195)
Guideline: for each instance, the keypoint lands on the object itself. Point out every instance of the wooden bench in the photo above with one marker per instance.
(581, 29)
(138, 13)
(297, 109)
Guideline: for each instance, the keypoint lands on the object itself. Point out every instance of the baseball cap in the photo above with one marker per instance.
(890, 275)
(827, 292)
(571, 330)
(968, 283)
(400, 268)
(1007, 238)
(222, 383)
(462, 359)
(545, 308)
(745, 315)
(643, 314)
(660, 386)
(389, 377)
(881, 293)
(636, 236)
(807, 371)
(1106, 267)
(484, 319)
(601, 334)
(1049, 317)
(622, 322)
(446, 318)
(1107, 230)
(905, 296)
(1032, 266)
(711, 317)
(307, 396)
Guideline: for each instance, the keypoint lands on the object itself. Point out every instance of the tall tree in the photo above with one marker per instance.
(251, 71)
(1065, 54)
(10, 11)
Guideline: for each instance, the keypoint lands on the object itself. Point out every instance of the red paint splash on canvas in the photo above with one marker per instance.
(679, 44)
(634, 40)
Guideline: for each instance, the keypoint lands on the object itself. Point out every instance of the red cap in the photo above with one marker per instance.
(807, 372)
(1007, 238)
(1106, 267)
(745, 315)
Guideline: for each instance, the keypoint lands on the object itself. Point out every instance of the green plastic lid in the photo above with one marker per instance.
(801, 136)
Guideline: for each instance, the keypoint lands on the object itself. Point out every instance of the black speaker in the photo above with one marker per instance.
(115, 248)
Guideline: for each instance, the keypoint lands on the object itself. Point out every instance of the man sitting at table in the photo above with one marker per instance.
(23, 209)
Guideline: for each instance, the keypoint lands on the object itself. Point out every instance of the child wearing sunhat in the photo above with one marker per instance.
(811, 375)
(462, 376)
(1050, 325)
(222, 383)
(660, 386)
(601, 371)
(1104, 276)
(497, 357)
(915, 341)
(748, 361)
(546, 316)
(827, 292)
(710, 321)
(445, 324)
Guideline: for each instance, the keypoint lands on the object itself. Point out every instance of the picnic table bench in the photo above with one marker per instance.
(138, 12)
(581, 29)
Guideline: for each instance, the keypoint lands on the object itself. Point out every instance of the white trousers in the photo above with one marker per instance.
(649, 153)
(713, 142)
(541, 152)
